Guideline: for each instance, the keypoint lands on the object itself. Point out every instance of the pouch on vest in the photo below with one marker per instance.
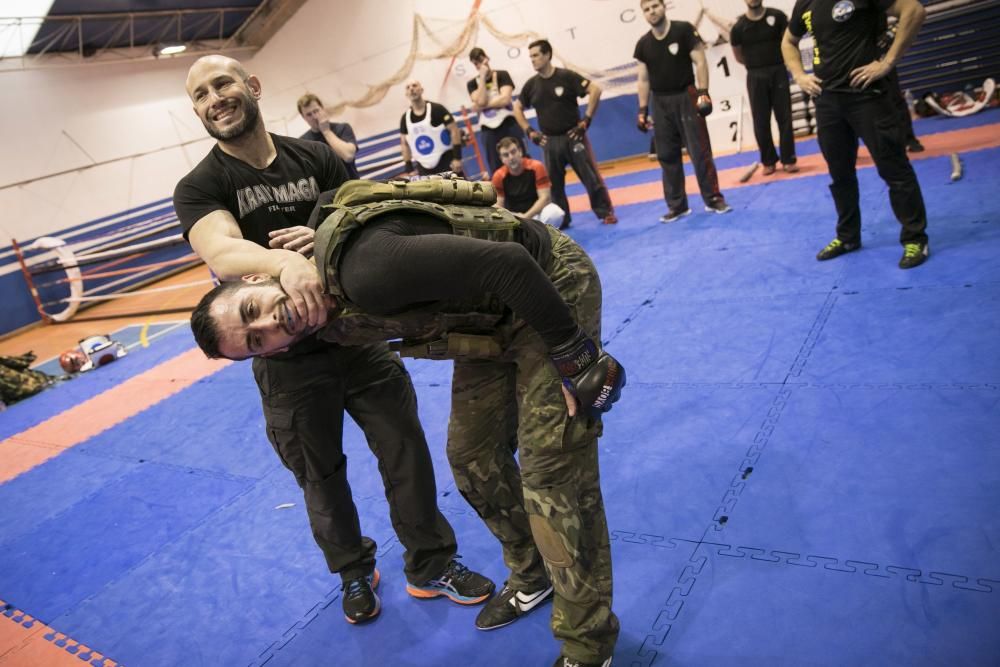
(440, 191)
(452, 345)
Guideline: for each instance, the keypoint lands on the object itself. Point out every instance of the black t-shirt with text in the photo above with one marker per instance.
(845, 32)
(668, 60)
(554, 99)
(760, 39)
(262, 200)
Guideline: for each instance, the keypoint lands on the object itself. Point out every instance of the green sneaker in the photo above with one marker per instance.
(914, 254)
(836, 248)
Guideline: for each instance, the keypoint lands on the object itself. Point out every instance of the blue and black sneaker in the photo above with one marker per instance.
(457, 583)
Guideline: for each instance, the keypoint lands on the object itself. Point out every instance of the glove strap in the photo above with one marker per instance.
(702, 91)
(644, 110)
(573, 356)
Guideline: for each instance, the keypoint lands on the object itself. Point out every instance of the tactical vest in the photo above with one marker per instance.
(443, 330)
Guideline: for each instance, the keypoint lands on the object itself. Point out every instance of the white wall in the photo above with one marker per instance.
(334, 48)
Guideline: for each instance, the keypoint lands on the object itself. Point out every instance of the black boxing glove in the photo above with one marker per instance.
(704, 102)
(535, 136)
(593, 376)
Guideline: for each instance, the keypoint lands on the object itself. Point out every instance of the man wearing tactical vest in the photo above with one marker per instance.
(428, 135)
(518, 307)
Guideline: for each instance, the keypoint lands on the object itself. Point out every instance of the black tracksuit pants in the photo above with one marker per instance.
(559, 152)
(677, 123)
(305, 396)
(843, 118)
(491, 137)
(767, 88)
(899, 102)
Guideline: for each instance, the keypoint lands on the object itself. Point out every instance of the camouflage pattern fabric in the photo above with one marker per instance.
(518, 398)
(17, 381)
(549, 515)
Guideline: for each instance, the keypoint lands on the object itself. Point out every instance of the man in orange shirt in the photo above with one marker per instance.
(523, 185)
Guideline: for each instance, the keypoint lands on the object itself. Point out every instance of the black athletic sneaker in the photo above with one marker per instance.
(836, 248)
(565, 223)
(360, 602)
(718, 205)
(563, 661)
(914, 146)
(457, 583)
(509, 605)
(914, 254)
(674, 214)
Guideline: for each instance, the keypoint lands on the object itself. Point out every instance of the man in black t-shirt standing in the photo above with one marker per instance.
(243, 208)
(338, 136)
(492, 91)
(666, 55)
(756, 41)
(852, 101)
(428, 135)
(553, 93)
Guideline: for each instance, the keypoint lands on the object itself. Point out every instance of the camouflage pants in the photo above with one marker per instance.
(554, 501)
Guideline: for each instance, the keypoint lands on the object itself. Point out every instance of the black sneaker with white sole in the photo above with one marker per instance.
(509, 605)
(718, 205)
(675, 214)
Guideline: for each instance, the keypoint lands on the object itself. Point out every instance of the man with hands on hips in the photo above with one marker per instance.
(852, 102)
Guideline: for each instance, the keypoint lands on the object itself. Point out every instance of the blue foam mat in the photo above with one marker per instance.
(66, 394)
(742, 609)
(74, 554)
(840, 478)
(861, 535)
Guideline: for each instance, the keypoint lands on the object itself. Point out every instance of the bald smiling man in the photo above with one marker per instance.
(244, 209)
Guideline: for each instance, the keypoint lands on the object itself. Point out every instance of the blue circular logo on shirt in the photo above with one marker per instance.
(446, 137)
(843, 10)
(424, 145)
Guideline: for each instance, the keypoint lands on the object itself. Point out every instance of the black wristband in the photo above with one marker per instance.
(456, 153)
(703, 91)
(644, 110)
(587, 120)
(409, 165)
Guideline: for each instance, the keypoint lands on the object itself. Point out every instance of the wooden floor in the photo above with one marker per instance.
(50, 340)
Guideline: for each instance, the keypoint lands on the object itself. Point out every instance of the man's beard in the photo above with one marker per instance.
(251, 118)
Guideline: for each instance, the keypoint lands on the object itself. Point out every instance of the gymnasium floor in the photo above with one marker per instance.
(804, 468)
